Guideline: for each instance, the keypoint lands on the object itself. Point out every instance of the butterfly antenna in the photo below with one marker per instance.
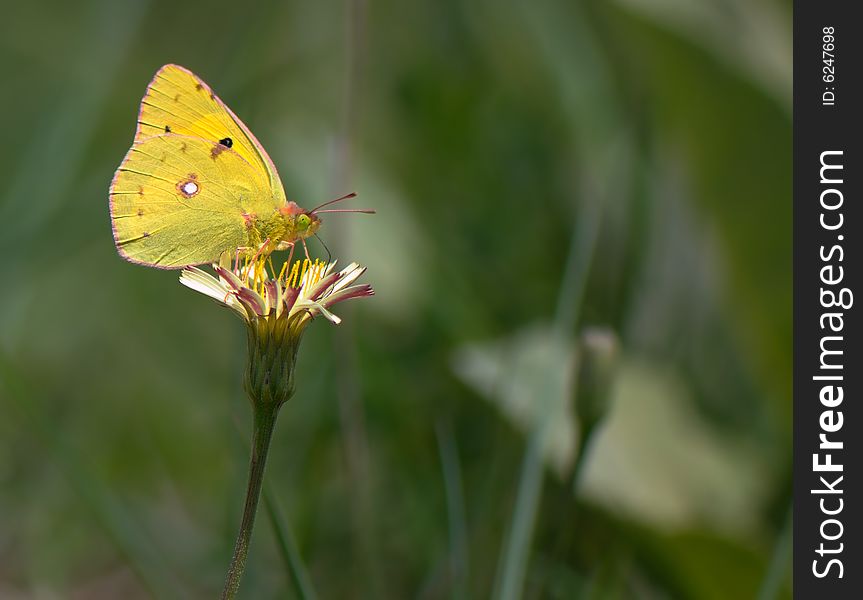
(317, 209)
(329, 254)
(339, 199)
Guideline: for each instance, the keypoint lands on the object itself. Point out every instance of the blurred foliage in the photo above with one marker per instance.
(647, 140)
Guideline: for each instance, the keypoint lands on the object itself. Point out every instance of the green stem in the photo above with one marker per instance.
(515, 553)
(513, 564)
(581, 458)
(264, 421)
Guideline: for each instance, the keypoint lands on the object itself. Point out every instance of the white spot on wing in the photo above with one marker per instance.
(189, 187)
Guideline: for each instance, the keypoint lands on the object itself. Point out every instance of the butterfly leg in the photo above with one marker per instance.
(291, 254)
(241, 251)
(237, 261)
(283, 245)
(260, 250)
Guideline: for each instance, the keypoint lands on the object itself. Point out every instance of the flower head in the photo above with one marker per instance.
(306, 288)
(277, 308)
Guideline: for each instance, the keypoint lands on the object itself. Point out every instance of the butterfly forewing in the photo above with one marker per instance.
(180, 200)
(177, 101)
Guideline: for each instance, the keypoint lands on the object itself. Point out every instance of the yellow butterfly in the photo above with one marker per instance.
(196, 184)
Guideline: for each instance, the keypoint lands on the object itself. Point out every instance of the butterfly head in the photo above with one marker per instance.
(306, 224)
(301, 223)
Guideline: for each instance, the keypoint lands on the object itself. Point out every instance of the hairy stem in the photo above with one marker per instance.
(262, 433)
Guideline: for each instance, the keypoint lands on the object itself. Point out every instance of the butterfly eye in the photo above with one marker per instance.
(303, 222)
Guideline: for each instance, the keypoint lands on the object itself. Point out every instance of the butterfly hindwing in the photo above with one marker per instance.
(180, 200)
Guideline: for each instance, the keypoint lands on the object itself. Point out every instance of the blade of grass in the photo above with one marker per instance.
(351, 409)
(779, 562)
(512, 567)
(459, 568)
(288, 548)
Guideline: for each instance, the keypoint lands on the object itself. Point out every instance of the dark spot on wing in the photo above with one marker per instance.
(216, 150)
(140, 190)
(146, 234)
(140, 212)
(177, 98)
(183, 147)
(199, 87)
(167, 129)
(227, 142)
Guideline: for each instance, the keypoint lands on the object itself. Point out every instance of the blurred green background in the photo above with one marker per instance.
(538, 169)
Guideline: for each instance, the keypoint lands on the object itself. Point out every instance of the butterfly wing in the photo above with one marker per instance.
(180, 200)
(177, 101)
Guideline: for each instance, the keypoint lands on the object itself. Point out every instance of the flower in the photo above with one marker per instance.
(308, 287)
(277, 309)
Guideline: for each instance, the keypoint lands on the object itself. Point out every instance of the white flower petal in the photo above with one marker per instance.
(315, 307)
(231, 279)
(200, 281)
(352, 273)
